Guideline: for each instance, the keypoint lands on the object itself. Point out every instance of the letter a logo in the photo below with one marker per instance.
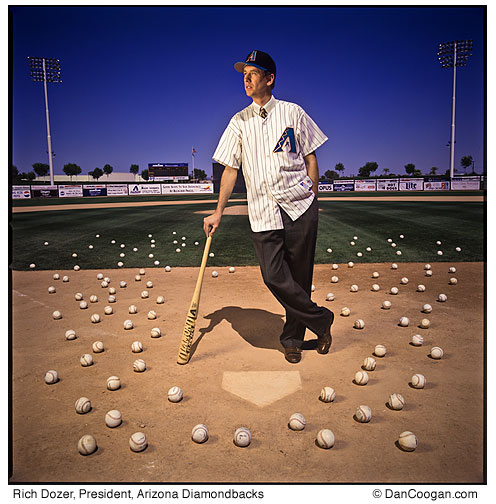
(287, 136)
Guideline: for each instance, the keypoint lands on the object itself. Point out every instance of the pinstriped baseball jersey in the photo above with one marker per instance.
(271, 151)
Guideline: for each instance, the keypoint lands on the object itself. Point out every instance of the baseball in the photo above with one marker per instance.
(137, 347)
(86, 360)
(211, 254)
(242, 437)
(369, 363)
(128, 324)
(56, 276)
(95, 318)
(354, 288)
(369, 249)
(335, 266)
(113, 383)
(394, 266)
(149, 284)
(99, 276)
(74, 254)
(93, 299)
(57, 315)
(376, 288)
(427, 267)
(76, 267)
(404, 321)
(442, 298)
(334, 279)
(439, 252)
(326, 439)
(428, 273)
(51, 377)
(138, 442)
(175, 394)
(329, 250)
(420, 288)
(156, 332)
(438, 243)
(418, 381)
(452, 281)
(113, 418)
(402, 236)
(178, 250)
(144, 294)
(122, 245)
(139, 365)
(425, 323)
(83, 405)
(390, 240)
(452, 269)
(78, 296)
(122, 254)
(70, 334)
(327, 394)
(361, 378)
(393, 244)
(404, 280)
(345, 311)
(386, 305)
(375, 274)
(215, 274)
(408, 441)
(232, 269)
(123, 284)
(398, 252)
(112, 290)
(359, 324)
(363, 414)
(87, 445)
(108, 310)
(51, 290)
(133, 309)
(104, 284)
(458, 249)
(65, 278)
(160, 300)
(394, 290)
(120, 264)
(152, 315)
(312, 288)
(396, 401)
(199, 434)
(32, 265)
(436, 352)
(350, 264)
(168, 269)
(137, 278)
(98, 347)
(297, 422)
(380, 350)
(417, 340)
(83, 305)
(352, 243)
(359, 254)
(330, 297)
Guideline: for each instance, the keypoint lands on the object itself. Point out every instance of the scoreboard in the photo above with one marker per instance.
(168, 171)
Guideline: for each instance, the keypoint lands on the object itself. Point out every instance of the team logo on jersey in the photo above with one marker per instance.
(252, 57)
(286, 137)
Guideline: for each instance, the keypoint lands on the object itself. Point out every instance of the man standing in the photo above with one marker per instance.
(275, 142)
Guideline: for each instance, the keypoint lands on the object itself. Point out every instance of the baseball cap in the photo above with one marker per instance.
(257, 59)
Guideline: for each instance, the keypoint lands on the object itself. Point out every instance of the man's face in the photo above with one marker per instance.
(255, 81)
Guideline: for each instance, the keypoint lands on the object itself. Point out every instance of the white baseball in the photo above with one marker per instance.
(439, 252)
(394, 266)
(312, 288)
(232, 269)
(398, 252)
(452, 281)
(394, 290)
(56, 276)
(57, 315)
(345, 311)
(215, 274)
(149, 284)
(442, 298)
(160, 300)
(138, 442)
(95, 318)
(98, 347)
(83, 405)
(83, 305)
(427, 308)
(359, 324)
(420, 288)
(436, 352)
(458, 249)
(369, 363)
(32, 265)
(78, 296)
(137, 278)
(408, 441)
(325, 438)
(70, 334)
(376, 287)
(142, 271)
(404, 321)
(354, 288)
(390, 240)
(52, 290)
(404, 280)
(144, 294)
(113, 418)
(175, 394)
(76, 267)
(136, 347)
(168, 269)
(211, 254)
(120, 264)
(51, 377)
(152, 315)
(112, 290)
(99, 276)
(438, 242)
(375, 274)
(104, 284)
(452, 269)
(108, 310)
(334, 279)
(178, 250)
(352, 243)
(329, 250)
(428, 273)
(393, 244)
(113, 383)
(242, 437)
(128, 324)
(156, 332)
(199, 434)
(380, 350)
(87, 445)
(363, 414)
(402, 236)
(133, 309)
(123, 284)
(327, 394)
(386, 305)
(86, 360)
(139, 365)
(427, 267)
(425, 323)
(361, 378)
(396, 401)
(418, 381)
(369, 249)
(107, 279)
(417, 340)
(335, 266)
(297, 422)
(350, 264)
(65, 278)
(359, 254)
(93, 299)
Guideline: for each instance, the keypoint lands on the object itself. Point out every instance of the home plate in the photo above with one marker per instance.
(261, 387)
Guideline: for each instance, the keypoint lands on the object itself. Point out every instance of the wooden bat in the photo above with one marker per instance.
(189, 326)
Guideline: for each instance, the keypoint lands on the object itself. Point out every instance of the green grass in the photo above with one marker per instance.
(373, 222)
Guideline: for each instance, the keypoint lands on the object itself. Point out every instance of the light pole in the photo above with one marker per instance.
(453, 54)
(46, 70)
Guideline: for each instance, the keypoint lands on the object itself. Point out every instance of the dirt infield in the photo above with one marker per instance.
(238, 377)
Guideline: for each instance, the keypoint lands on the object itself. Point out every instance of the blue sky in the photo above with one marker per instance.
(146, 84)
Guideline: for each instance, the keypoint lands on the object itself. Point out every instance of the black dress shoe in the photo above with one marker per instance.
(325, 340)
(292, 354)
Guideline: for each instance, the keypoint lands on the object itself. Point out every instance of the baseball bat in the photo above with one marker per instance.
(189, 326)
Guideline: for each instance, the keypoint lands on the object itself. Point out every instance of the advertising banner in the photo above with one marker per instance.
(187, 188)
(44, 191)
(172, 178)
(465, 183)
(412, 184)
(95, 190)
(117, 190)
(138, 189)
(21, 192)
(66, 191)
(437, 185)
(388, 184)
(365, 185)
(344, 185)
(325, 187)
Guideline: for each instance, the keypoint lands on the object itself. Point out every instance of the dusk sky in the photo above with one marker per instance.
(147, 84)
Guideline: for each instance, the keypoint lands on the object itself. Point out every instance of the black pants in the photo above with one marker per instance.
(286, 259)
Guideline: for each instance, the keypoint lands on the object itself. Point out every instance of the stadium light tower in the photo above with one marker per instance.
(454, 54)
(46, 70)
